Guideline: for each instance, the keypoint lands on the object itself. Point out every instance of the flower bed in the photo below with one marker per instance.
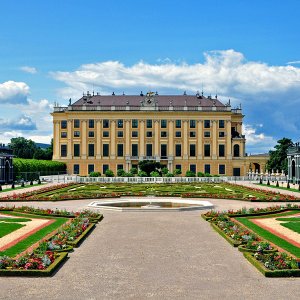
(32, 264)
(274, 264)
(260, 247)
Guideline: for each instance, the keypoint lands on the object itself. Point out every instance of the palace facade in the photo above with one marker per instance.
(186, 132)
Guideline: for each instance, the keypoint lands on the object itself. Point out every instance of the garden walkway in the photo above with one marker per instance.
(155, 256)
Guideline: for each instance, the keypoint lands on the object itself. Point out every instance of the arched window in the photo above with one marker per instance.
(236, 151)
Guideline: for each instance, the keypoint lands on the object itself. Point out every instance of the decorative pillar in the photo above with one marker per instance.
(214, 139)
(113, 139)
(56, 152)
(142, 138)
(185, 139)
(127, 138)
(98, 139)
(171, 138)
(156, 139)
(228, 140)
(69, 134)
(83, 139)
(199, 138)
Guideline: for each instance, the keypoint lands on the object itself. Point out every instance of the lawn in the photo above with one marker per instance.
(246, 221)
(33, 238)
(199, 190)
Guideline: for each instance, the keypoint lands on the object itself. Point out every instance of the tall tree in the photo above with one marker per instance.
(278, 157)
(149, 166)
(22, 147)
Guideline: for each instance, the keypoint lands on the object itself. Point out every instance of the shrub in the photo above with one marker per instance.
(268, 183)
(177, 172)
(109, 173)
(200, 174)
(95, 174)
(154, 174)
(169, 175)
(13, 185)
(133, 171)
(277, 183)
(288, 185)
(142, 174)
(190, 174)
(121, 172)
(164, 171)
(0, 187)
(207, 175)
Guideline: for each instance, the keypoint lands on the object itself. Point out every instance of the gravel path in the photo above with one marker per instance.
(173, 255)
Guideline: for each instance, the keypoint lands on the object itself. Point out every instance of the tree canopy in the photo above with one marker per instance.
(149, 166)
(278, 157)
(23, 148)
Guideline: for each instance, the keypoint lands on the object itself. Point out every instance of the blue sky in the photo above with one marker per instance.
(248, 51)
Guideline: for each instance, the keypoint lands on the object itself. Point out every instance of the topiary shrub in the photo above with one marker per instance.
(200, 174)
(288, 185)
(22, 184)
(0, 188)
(190, 173)
(13, 185)
(31, 182)
(268, 183)
(109, 173)
(120, 172)
(154, 174)
(260, 181)
(277, 184)
(142, 174)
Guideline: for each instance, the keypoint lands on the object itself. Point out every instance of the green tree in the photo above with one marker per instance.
(149, 166)
(22, 147)
(142, 174)
(121, 172)
(109, 173)
(177, 172)
(133, 171)
(278, 157)
(164, 171)
(95, 174)
(154, 174)
(190, 174)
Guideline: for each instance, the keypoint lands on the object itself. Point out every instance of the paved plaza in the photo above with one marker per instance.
(172, 255)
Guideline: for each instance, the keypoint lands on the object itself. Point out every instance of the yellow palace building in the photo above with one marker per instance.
(186, 132)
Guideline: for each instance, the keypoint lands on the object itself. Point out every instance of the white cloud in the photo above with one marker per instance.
(295, 62)
(21, 123)
(12, 92)
(226, 71)
(46, 139)
(30, 70)
(257, 142)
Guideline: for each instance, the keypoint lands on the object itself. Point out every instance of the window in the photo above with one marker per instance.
(149, 134)
(149, 123)
(236, 172)
(105, 123)
(91, 123)
(222, 169)
(91, 133)
(63, 124)
(134, 150)
(76, 149)
(163, 134)
(192, 150)
(120, 123)
(178, 134)
(206, 133)
(91, 168)
(193, 134)
(221, 124)
(206, 123)
(120, 149)
(178, 167)
(134, 123)
(193, 168)
(76, 133)
(91, 148)
(63, 150)
(163, 151)
(206, 150)
(105, 133)
(178, 124)
(134, 134)
(221, 133)
(178, 149)
(76, 169)
(236, 151)
(207, 169)
(63, 134)
(148, 149)
(163, 123)
(76, 123)
(221, 150)
(105, 168)
(120, 134)
(192, 124)
(120, 167)
(105, 151)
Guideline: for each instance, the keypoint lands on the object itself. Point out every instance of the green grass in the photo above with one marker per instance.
(280, 187)
(34, 238)
(13, 220)
(19, 188)
(295, 226)
(269, 236)
(197, 189)
(6, 228)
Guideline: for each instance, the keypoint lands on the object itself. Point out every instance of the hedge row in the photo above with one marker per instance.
(29, 169)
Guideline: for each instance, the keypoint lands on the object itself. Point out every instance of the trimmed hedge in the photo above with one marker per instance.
(269, 273)
(242, 248)
(38, 273)
(231, 241)
(34, 167)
